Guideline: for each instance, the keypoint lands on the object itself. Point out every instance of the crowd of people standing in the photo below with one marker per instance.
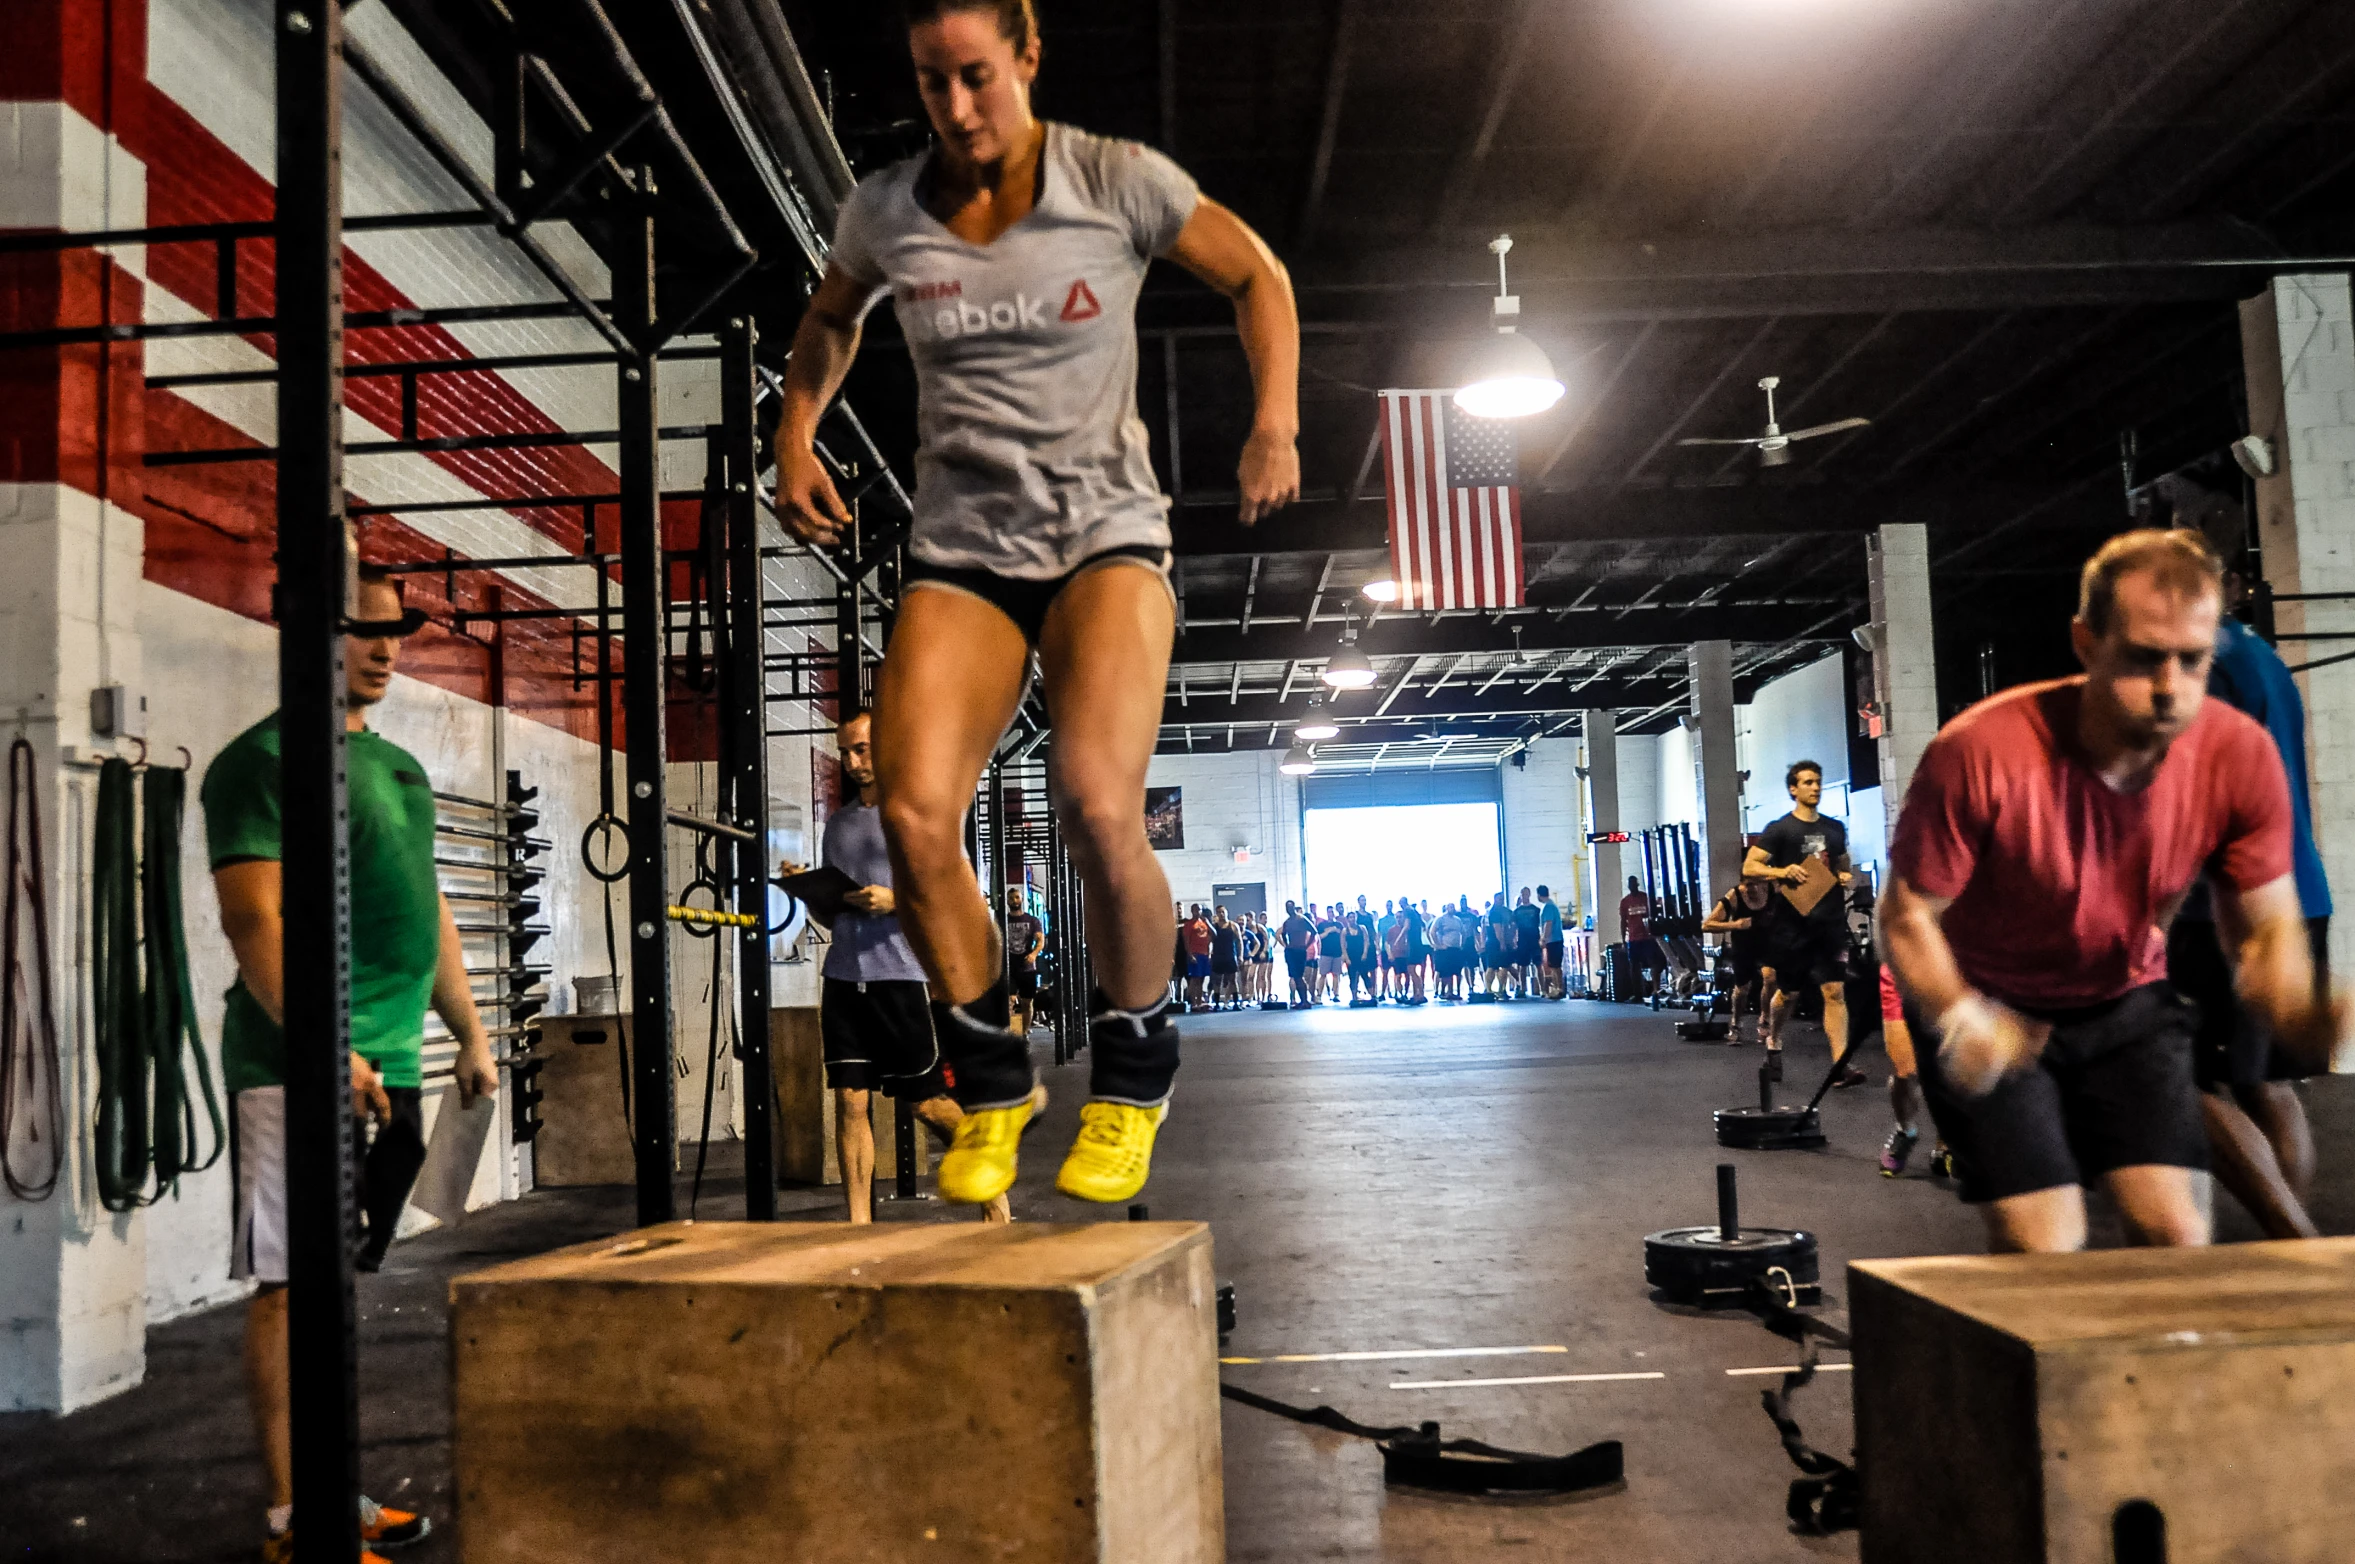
(1403, 954)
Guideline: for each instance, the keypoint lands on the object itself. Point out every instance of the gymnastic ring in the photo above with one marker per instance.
(792, 909)
(599, 829)
(718, 904)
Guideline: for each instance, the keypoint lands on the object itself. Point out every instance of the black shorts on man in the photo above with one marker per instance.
(2232, 1047)
(878, 1037)
(2112, 1089)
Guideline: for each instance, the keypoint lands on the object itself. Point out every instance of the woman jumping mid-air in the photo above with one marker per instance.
(1013, 252)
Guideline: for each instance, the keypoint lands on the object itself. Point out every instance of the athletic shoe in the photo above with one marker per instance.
(1851, 1076)
(1113, 1155)
(1898, 1150)
(1941, 1163)
(979, 1164)
(278, 1548)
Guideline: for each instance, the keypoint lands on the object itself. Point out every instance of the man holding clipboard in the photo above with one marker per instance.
(1804, 855)
(875, 1014)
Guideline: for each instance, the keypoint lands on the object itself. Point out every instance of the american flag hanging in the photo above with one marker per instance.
(1455, 503)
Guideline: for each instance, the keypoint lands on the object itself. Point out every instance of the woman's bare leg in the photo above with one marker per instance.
(1104, 663)
(949, 687)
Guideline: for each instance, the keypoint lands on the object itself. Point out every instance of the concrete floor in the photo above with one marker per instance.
(1377, 1181)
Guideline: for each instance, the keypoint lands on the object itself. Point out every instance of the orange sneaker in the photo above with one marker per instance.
(382, 1527)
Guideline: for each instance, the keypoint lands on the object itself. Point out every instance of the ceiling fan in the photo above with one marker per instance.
(1774, 446)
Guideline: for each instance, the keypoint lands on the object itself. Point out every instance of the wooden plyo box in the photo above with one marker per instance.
(823, 1394)
(2008, 1406)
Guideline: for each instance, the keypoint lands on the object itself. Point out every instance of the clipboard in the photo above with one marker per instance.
(1819, 883)
(820, 890)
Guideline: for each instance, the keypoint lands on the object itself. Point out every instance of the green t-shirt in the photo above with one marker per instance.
(396, 901)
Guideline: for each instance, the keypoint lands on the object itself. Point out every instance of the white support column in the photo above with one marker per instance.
(1711, 664)
(2298, 352)
(1905, 666)
(1602, 785)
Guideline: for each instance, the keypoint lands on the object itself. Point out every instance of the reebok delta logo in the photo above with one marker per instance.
(958, 316)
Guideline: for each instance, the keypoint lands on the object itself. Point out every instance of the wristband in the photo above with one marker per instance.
(1972, 1011)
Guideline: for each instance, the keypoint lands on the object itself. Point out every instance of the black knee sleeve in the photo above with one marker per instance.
(1136, 1052)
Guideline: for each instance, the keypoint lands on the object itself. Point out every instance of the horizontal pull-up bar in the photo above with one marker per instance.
(493, 363)
(227, 233)
(512, 441)
(260, 325)
(709, 827)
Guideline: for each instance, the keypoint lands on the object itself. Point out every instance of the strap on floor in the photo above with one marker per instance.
(1416, 1457)
(1829, 1497)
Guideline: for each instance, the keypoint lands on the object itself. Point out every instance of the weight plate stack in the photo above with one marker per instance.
(1703, 1031)
(1697, 1265)
(1769, 1129)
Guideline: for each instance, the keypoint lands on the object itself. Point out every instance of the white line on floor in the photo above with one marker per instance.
(1793, 1368)
(1384, 1357)
(1531, 1379)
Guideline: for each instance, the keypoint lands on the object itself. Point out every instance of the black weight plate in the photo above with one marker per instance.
(1693, 1263)
(1770, 1129)
(1702, 1031)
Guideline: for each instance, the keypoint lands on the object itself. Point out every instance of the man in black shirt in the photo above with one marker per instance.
(1744, 915)
(1809, 947)
(1026, 937)
(1299, 955)
(1527, 951)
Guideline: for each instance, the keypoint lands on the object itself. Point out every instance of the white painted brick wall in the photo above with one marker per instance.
(1236, 799)
(1543, 832)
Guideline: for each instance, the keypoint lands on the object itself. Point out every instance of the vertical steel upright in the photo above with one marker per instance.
(314, 575)
(646, 683)
(744, 706)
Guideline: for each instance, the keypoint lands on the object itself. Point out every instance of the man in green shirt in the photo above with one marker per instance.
(405, 955)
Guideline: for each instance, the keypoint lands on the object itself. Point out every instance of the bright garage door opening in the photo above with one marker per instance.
(1424, 852)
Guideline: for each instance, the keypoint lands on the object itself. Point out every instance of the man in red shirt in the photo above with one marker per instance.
(2062, 824)
(1635, 927)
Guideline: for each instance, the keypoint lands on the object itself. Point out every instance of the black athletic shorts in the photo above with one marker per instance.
(1553, 953)
(1021, 981)
(878, 1037)
(1647, 955)
(2112, 1089)
(1807, 957)
(1027, 602)
(2232, 1047)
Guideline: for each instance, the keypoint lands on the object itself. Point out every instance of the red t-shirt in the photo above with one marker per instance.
(1635, 916)
(1197, 932)
(2063, 887)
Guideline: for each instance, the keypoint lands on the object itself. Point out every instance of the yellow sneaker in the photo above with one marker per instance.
(1113, 1155)
(978, 1167)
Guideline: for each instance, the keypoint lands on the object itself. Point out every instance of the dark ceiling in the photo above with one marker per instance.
(2009, 232)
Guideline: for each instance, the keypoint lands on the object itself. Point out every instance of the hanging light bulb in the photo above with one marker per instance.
(1381, 591)
(1297, 762)
(1509, 376)
(1318, 725)
(1349, 668)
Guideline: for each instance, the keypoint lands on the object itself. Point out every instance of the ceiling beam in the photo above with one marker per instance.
(1356, 712)
(1400, 635)
(1794, 272)
(1631, 514)
(1320, 167)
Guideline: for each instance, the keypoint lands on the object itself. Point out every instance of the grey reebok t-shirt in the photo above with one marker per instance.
(1032, 457)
